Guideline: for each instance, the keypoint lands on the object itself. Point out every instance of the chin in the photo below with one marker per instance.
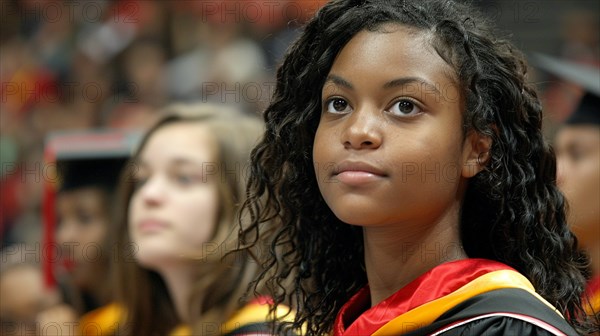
(357, 217)
(358, 211)
(150, 261)
(152, 257)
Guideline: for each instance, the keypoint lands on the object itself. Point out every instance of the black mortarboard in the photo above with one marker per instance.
(588, 77)
(587, 112)
(97, 172)
(90, 158)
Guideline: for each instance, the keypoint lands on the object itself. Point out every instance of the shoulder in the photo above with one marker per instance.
(101, 321)
(257, 318)
(499, 324)
(507, 311)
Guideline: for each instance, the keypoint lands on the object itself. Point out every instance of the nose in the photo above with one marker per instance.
(362, 130)
(152, 192)
(67, 232)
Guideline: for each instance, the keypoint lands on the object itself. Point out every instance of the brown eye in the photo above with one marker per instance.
(576, 154)
(84, 217)
(337, 105)
(138, 182)
(405, 107)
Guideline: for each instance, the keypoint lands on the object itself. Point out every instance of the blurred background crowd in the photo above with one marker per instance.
(75, 65)
(89, 64)
(85, 64)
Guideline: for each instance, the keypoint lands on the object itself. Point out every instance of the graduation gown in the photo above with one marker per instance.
(249, 320)
(101, 321)
(592, 297)
(465, 297)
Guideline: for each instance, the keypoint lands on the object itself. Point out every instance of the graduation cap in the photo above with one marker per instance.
(588, 77)
(82, 159)
(100, 173)
(90, 158)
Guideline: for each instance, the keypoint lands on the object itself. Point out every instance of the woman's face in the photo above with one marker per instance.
(578, 158)
(173, 212)
(82, 229)
(389, 147)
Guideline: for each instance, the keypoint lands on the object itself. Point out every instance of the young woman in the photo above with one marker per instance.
(578, 156)
(404, 184)
(84, 206)
(175, 275)
(577, 145)
(80, 204)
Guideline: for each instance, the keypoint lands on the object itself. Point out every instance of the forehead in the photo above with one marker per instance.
(192, 140)
(393, 51)
(87, 196)
(585, 134)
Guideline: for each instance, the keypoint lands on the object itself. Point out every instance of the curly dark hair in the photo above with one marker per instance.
(512, 211)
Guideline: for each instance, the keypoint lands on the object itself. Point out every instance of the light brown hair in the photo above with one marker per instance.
(222, 277)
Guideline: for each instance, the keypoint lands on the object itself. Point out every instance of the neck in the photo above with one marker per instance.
(397, 254)
(96, 287)
(179, 279)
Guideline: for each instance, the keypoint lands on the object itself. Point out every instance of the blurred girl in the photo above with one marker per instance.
(175, 274)
(85, 203)
(578, 155)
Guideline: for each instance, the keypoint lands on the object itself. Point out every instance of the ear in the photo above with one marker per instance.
(476, 153)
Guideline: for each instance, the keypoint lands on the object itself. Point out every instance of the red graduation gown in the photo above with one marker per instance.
(465, 297)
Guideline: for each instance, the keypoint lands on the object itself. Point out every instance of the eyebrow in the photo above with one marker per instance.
(399, 82)
(339, 81)
(176, 162)
(138, 162)
(186, 162)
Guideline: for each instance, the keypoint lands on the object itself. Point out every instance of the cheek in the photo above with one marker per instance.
(585, 183)
(583, 197)
(581, 178)
(317, 146)
(96, 230)
(62, 232)
(427, 161)
(322, 158)
(579, 185)
(198, 215)
(592, 169)
(134, 210)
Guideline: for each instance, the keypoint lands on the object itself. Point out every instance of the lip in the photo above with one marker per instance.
(357, 166)
(151, 225)
(357, 172)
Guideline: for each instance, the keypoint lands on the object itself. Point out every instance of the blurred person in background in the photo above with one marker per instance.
(85, 205)
(225, 66)
(578, 154)
(22, 291)
(88, 165)
(577, 145)
(141, 72)
(175, 274)
(580, 43)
